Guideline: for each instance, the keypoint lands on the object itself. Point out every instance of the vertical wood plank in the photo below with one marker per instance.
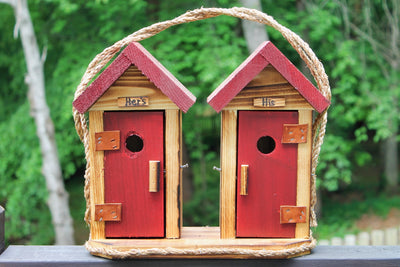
(377, 238)
(350, 240)
(304, 174)
(97, 229)
(391, 237)
(363, 239)
(173, 139)
(228, 174)
(336, 241)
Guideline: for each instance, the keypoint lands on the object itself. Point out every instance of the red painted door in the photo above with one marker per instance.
(271, 173)
(126, 173)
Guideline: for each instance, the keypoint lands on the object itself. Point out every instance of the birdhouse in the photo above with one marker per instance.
(266, 106)
(135, 107)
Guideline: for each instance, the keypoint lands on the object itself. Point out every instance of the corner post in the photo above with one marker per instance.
(228, 174)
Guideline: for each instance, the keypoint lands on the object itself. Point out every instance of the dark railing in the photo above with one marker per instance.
(78, 256)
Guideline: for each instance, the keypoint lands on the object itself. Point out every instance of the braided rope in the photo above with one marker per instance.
(302, 48)
(256, 253)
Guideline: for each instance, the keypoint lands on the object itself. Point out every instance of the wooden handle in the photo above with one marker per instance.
(154, 175)
(243, 180)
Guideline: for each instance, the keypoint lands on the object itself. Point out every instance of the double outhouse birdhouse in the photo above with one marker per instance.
(266, 106)
(135, 136)
(135, 108)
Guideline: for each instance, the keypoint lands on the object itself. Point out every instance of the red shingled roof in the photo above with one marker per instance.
(136, 54)
(266, 54)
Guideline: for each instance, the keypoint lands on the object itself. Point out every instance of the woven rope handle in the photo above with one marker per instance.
(302, 48)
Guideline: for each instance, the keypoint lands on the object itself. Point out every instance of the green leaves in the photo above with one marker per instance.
(365, 87)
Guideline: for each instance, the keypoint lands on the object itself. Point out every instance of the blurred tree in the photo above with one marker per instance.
(377, 25)
(51, 169)
(201, 55)
(254, 33)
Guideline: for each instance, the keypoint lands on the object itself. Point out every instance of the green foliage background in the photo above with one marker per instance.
(200, 55)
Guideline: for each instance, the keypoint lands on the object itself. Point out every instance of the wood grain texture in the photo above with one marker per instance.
(228, 174)
(269, 102)
(126, 174)
(154, 175)
(245, 99)
(108, 212)
(268, 76)
(133, 101)
(202, 238)
(304, 174)
(133, 83)
(107, 140)
(251, 74)
(160, 76)
(136, 54)
(272, 174)
(173, 160)
(205, 237)
(243, 179)
(97, 229)
(97, 88)
(294, 77)
(229, 88)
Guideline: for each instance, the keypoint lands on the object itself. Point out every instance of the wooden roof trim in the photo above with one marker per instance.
(137, 55)
(160, 76)
(266, 54)
(238, 79)
(289, 71)
(99, 86)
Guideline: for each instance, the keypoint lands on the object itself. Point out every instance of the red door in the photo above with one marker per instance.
(126, 173)
(271, 173)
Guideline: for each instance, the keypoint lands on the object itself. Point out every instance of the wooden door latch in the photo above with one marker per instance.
(243, 179)
(154, 175)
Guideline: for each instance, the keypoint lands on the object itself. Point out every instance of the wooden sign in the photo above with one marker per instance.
(268, 102)
(133, 101)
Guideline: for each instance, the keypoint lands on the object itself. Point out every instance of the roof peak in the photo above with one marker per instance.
(266, 54)
(136, 54)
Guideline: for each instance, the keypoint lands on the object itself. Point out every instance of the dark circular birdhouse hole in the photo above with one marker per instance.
(134, 143)
(266, 144)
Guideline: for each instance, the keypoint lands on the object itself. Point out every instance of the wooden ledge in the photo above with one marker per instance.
(320, 256)
(201, 242)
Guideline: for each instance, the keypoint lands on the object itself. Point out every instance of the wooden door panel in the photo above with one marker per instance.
(271, 173)
(126, 173)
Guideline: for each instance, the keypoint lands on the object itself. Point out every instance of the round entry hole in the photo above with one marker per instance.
(266, 144)
(134, 143)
